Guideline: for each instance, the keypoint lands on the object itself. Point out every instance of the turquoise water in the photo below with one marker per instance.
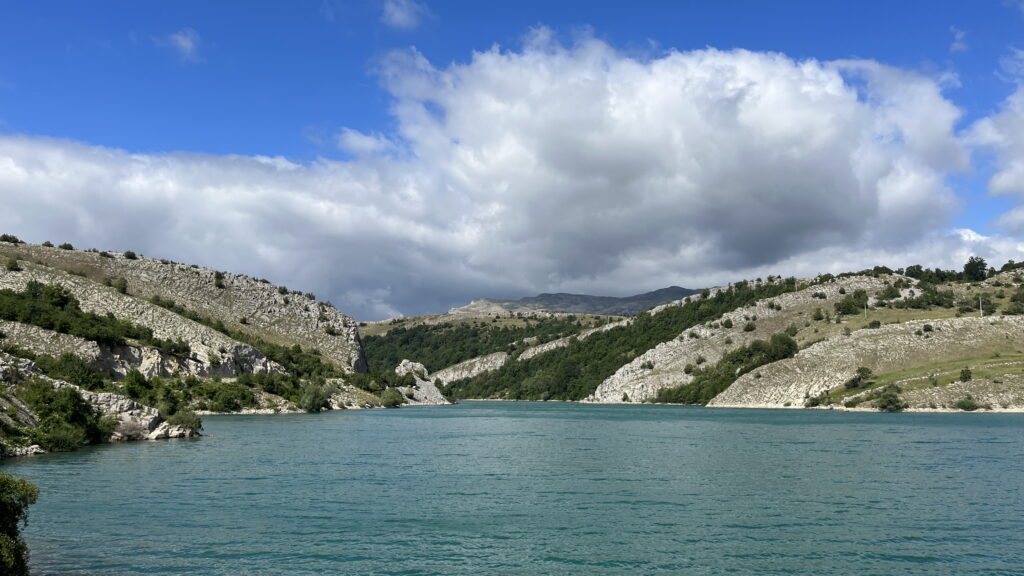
(532, 488)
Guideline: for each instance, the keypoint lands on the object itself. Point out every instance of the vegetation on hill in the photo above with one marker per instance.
(709, 382)
(574, 372)
(16, 495)
(296, 360)
(440, 346)
(55, 308)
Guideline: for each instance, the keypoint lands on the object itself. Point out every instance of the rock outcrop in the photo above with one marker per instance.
(423, 392)
(470, 368)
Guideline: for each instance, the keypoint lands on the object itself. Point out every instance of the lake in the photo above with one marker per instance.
(542, 488)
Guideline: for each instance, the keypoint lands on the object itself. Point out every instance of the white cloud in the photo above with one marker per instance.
(959, 43)
(185, 42)
(545, 169)
(359, 144)
(403, 14)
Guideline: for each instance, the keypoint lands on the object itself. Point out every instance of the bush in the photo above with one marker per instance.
(10, 238)
(749, 327)
(313, 397)
(12, 265)
(129, 255)
(392, 398)
(890, 401)
(966, 375)
(66, 420)
(186, 419)
(819, 314)
(727, 323)
(218, 279)
(967, 404)
(66, 246)
(16, 495)
(48, 244)
(927, 328)
(874, 324)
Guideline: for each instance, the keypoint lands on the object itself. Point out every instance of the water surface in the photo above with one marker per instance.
(535, 488)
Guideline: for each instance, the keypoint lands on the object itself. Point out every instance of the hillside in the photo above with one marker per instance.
(118, 335)
(578, 303)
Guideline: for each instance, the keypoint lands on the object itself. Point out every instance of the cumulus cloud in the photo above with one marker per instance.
(185, 42)
(547, 168)
(403, 14)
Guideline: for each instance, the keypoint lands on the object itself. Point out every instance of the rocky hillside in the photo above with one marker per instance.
(578, 303)
(116, 333)
(244, 304)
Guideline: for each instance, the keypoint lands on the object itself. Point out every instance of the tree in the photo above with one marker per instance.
(976, 269)
(16, 495)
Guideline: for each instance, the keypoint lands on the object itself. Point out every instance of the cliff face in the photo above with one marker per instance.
(242, 303)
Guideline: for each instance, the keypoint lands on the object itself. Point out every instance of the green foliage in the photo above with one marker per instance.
(54, 308)
(10, 239)
(976, 269)
(874, 324)
(313, 397)
(66, 420)
(392, 398)
(66, 246)
(575, 371)
(852, 303)
(819, 314)
(12, 265)
(129, 255)
(16, 495)
(73, 369)
(303, 363)
(889, 400)
(860, 378)
(440, 346)
(709, 382)
(749, 327)
(170, 398)
(727, 323)
(966, 375)
(218, 279)
(967, 404)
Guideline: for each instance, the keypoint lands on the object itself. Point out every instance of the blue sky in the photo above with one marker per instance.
(326, 84)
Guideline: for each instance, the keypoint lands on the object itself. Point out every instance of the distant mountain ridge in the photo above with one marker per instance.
(578, 303)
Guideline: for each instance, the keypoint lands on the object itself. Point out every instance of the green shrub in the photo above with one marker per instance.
(16, 495)
(889, 400)
(749, 327)
(727, 323)
(875, 324)
(966, 375)
(967, 404)
(927, 328)
(313, 397)
(12, 265)
(10, 238)
(66, 246)
(186, 419)
(129, 255)
(66, 420)
(48, 244)
(791, 330)
(392, 398)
